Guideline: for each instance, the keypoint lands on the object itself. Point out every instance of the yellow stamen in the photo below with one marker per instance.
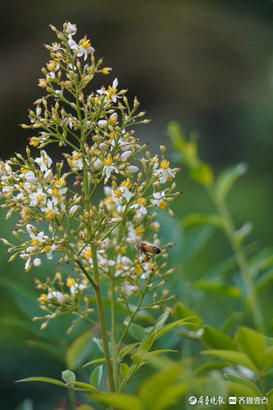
(138, 269)
(141, 201)
(122, 250)
(164, 164)
(34, 141)
(163, 205)
(70, 282)
(46, 249)
(43, 298)
(52, 65)
(35, 242)
(139, 231)
(50, 214)
(108, 161)
(42, 83)
(126, 184)
(106, 70)
(88, 254)
(85, 43)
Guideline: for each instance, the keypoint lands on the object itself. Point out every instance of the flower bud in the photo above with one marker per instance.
(98, 164)
(125, 155)
(132, 169)
(73, 210)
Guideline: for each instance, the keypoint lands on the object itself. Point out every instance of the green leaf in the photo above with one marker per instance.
(196, 243)
(243, 232)
(177, 136)
(124, 371)
(239, 390)
(219, 288)
(233, 357)
(202, 173)
(96, 361)
(96, 376)
(127, 350)
(202, 219)
(207, 367)
(244, 382)
(137, 331)
(85, 386)
(68, 376)
(216, 339)
(55, 351)
(150, 355)
(264, 281)
(99, 344)
(162, 389)
(43, 380)
(121, 401)
(79, 349)
(228, 177)
(269, 358)
(252, 344)
(181, 311)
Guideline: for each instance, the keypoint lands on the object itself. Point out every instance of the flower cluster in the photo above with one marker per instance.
(57, 210)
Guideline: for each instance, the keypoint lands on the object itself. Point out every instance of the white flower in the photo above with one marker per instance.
(38, 198)
(141, 211)
(37, 262)
(83, 48)
(159, 200)
(77, 287)
(59, 296)
(165, 173)
(98, 164)
(132, 236)
(44, 161)
(132, 169)
(50, 210)
(130, 289)
(73, 210)
(70, 29)
(125, 155)
(102, 123)
(110, 93)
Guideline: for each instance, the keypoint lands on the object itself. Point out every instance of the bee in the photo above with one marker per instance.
(147, 249)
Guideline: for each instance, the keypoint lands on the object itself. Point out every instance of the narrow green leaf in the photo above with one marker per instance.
(79, 349)
(207, 367)
(99, 344)
(96, 361)
(252, 344)
(239, 390)
(83, 385)
(124, 371)
(269, 358)
(127, 350)
(96, 375)
(121, 401)
(137, 331)
(202, 219)
(233, 357)
(68, 376)
(219, 288)
(244, 382)
(149, 355)
(216, 339)
(43, 380)
(264, 281)
(228, 177)
(181, 311)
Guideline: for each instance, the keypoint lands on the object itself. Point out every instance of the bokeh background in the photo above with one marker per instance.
(207, 64)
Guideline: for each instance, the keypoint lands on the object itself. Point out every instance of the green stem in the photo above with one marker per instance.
(113, 335)
(102, 320)
(71, 399)
(241, 260)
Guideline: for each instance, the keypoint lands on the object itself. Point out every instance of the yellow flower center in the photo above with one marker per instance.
(106, 70)
(108, 161)
(42, 83)
(126, 184)
(141, 201)
(164, 164)
(119, 266)
(46, 249)
(24, 170)
(163, 205)
(40, 198)
(113, 135)
(96, 100)
(117, 193)
(61, 182)
(56, 192)
(155, 159)
(25, 213)
(34, 141)
(70, 282)
(88, 254)
(52, 65)
(109, 201)
(76, 156)
(122, 250)
(85, 43)
(139, 231)
(35, 242)
(111, 91)
(138, 269)
(50, 214)
(43, 298)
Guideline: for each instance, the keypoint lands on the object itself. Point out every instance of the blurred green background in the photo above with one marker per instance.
(207, 64)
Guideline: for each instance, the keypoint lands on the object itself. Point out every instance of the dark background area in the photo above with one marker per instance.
(207, 64)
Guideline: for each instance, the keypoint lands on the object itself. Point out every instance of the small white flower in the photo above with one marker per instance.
(125, 155)
(44, 161)
(70, 29)
(110, 93)
(102, 123)
(73, 210)
(132, 169)
(37, 262)
(38, 198)
(59, 296)
(141, 211)
(77, 288)
(98, 164)
(130, 289)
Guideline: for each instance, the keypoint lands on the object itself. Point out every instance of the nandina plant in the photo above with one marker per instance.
(104, 241)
